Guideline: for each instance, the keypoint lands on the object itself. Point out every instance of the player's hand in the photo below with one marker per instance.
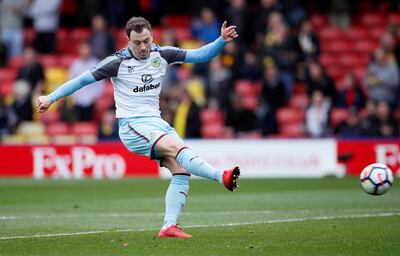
(43, 103)
(228, 33)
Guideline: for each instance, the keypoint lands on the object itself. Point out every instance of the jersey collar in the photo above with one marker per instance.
(133, 55)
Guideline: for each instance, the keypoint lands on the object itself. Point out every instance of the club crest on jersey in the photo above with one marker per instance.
(156, 62)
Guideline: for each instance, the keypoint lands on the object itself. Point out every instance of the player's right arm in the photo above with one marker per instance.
(105, 69)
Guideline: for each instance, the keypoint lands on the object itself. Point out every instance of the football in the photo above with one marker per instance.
(376, 179)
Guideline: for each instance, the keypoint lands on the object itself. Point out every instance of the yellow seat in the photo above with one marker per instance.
(31, 128)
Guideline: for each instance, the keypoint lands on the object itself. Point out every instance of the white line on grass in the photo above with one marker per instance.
(359, 216)
(146, 214)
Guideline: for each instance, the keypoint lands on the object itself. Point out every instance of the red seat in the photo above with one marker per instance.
(66, 60)
(299, 101)
(357, 33)
(319, 21)
(6, 87)
(7, 74)
(212, 131)
(359, 73)
(373, 19)
(353, 60)
(59, 128)
(335, 72)
(293, 130)
(182, 21)
(376, 33)
(328, 60)
(365, 46)
(80, 35)
(16, 62)
(331, 33)
(49, 60)
(211, 116)
(394, 18)
(250, 102)
(182, 34)
(49, 117)
(338, 115)
(338, 47)
(84, 128)
(247, 88)
(288, 115)
(299, 88)
(29, 36)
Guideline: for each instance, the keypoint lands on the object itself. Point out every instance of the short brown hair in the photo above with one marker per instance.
(137, 24)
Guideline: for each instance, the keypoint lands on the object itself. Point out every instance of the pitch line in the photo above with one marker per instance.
(319, 218)
(147, 214)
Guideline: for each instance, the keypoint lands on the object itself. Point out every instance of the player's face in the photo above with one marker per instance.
(140, 43)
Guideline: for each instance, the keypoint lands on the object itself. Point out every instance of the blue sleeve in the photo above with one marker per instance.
(72, 86)
(205, 53)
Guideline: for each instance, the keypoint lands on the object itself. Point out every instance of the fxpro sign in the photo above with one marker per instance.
(104, 160)
(275, 158)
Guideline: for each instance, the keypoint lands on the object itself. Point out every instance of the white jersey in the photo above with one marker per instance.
(137, 83)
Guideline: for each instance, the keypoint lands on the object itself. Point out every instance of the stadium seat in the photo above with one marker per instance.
(359, 73)
(58, 128)
(41, 139)
(331, 33)
(319, 21)
(6, 87)
(16, 62)
(376, 32)
(66, 60)
(394, 18)
(337, 116)
(342, 46)
(13, 139)
(49, 117)
(79, 35)
(31, 128)
(84, 128)
(335, 72)
(373, 19)
(49, 60)
(212, 131)
(182, 21)
(365, 46)
(247, 88)
(328, 60)
(356, 33)
(211, 116)
(289, 115)
(292, 130)
(299, 101)
(352, 60)
(250, 102)
(67, 139)
(299, 88)
(29, 36)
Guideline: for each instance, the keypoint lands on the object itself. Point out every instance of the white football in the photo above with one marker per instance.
(376, 179)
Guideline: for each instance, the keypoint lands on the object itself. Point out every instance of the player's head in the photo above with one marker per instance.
(140, 38)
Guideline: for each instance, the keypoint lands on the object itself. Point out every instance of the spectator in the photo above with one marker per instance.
(85, 98)
(108, 129)
(45, 15)
(388, 44)
(382, 78)
(3, 54)
(219, 85)
(387, 125)
(267, 7)
(317, 115)
(317, 80)
(101, 40)
(351, 95)
(238, 15)
(370, 121)
(32, 71)
(22, 105)
(294, 11)
(273, 97)
(207, 27)
(239, 120)
(8, 118)
(350, 127)
(187, 117)
(308, 42)
(11, 25)
(250, 70)
(282, 50)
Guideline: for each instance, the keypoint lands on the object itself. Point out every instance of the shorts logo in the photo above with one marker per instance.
(147, 78)
(156, 62)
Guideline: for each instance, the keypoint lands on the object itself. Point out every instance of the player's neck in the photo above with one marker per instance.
(136, 57)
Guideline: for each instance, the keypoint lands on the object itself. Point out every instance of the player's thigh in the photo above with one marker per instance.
(168, 146)
(173, 166)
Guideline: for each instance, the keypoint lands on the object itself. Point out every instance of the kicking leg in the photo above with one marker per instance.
(169, 147)
(174, 199)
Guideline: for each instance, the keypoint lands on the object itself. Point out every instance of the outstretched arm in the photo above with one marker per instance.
(68, 88)
(209, 51)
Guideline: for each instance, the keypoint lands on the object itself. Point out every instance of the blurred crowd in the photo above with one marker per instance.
(275, 61)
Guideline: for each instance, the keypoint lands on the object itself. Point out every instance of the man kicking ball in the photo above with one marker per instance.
(137, 72)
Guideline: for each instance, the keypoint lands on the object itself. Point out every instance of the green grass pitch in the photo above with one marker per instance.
(264, 217)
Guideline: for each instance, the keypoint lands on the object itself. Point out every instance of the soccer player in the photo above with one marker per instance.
(136, 73)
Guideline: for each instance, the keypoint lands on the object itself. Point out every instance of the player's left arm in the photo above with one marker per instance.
(209, 51)
(203, 54)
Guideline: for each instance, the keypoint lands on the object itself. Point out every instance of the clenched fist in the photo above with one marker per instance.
(43, 103)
